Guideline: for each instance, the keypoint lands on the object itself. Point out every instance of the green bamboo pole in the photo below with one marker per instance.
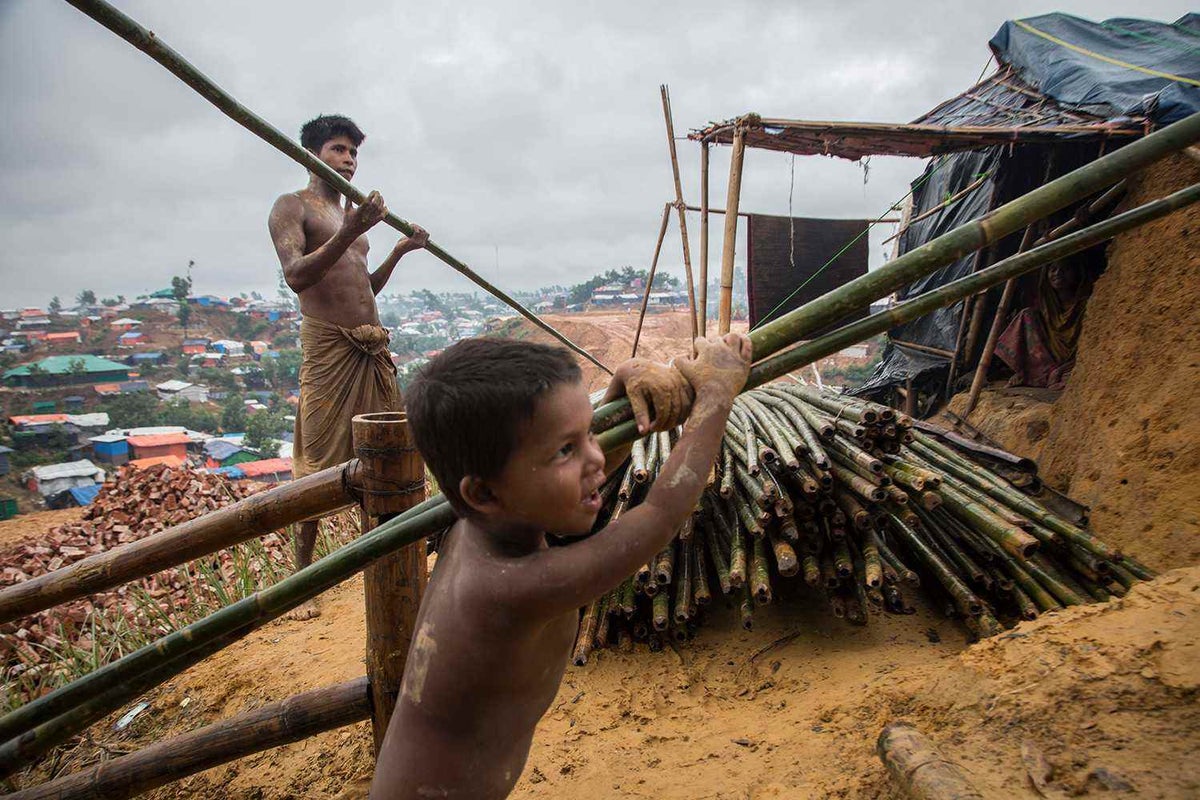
(146, 41)
(1014, 266)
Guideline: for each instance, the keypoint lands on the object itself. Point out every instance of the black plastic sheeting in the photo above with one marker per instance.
(1087, 83)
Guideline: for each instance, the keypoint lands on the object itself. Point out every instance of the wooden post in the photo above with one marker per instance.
(250, 732)
(393, 481)
(732, 200)
(910, 398)
(662, 233)
(702, 301)
(679, 205)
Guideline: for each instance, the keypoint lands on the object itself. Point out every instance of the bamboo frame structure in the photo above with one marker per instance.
(146, 41)
(274, 725)
(662, 233)
(687, 252)
(613, 419)
(732, 200)
(313, 495)
(702, 310)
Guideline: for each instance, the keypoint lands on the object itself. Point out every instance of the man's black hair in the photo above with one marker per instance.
(316, 132)
(467, 406)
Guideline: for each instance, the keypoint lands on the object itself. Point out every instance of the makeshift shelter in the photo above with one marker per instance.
(5, 466)
(110, 448)
(270, 470)
(52, 479)
(156, 445)
(65, 371)
(1066, 91)
(182, 390)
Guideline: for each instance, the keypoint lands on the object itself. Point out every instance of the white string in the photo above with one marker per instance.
(792, 219)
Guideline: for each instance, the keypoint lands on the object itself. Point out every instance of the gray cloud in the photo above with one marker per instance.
(531, 128)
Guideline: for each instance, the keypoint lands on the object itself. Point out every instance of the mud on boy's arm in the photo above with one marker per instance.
(566, 578)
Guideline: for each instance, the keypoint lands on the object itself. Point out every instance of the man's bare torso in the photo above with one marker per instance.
(467, 734)
(344, 296)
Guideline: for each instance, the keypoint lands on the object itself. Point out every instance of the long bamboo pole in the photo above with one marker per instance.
(616, 426)
(145, 40)
(256, 515)
(687, 252)
(732, 200)
(702, 302)
(815, 349)
(662, 233)
(273, 725)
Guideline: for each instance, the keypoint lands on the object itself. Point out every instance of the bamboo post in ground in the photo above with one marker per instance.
(150, 44)
(250, 732)
(702, 301)
(662, 233)
(679, 205)
(918, 769)
(393, 482)
(256, 515)
(732, 200)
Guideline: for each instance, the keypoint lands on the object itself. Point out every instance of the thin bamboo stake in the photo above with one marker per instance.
(153, 46)
(662, 232)
(273, 725)
(732, 201)
(702, 304)
(687, 253)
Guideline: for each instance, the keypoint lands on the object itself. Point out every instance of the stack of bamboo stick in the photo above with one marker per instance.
(854, 500)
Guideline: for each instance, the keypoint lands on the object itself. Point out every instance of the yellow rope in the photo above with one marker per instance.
(1104, 58)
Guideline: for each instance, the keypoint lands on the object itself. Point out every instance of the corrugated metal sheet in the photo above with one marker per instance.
(68, 469)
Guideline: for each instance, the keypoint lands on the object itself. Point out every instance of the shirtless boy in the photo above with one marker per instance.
(505, 428)
(346, 368)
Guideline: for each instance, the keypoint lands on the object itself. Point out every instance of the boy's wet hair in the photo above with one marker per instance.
(316, 132)
(467, 406)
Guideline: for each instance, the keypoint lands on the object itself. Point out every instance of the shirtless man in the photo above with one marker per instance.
(506, 429)
(346, 368)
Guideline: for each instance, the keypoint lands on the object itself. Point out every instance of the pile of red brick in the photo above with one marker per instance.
(136, 504)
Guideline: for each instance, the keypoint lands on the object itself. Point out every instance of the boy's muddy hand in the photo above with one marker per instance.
(659, 395)
(720, 365)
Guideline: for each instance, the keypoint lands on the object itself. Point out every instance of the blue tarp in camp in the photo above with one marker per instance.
(84, 495)
(1119, 67)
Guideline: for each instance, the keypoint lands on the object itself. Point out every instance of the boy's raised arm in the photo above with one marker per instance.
(563, 578)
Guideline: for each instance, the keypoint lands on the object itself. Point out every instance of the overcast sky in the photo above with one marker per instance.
(531, 131)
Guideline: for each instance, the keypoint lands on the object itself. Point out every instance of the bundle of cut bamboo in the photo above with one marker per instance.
(865, 507)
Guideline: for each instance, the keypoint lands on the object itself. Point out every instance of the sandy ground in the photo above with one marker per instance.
(1105, 693)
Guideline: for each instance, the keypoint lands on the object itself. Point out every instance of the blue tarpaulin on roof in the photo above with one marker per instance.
(229, 472)
(84, 495)
(1119, 67)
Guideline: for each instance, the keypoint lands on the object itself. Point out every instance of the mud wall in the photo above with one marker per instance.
(1124, 436)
